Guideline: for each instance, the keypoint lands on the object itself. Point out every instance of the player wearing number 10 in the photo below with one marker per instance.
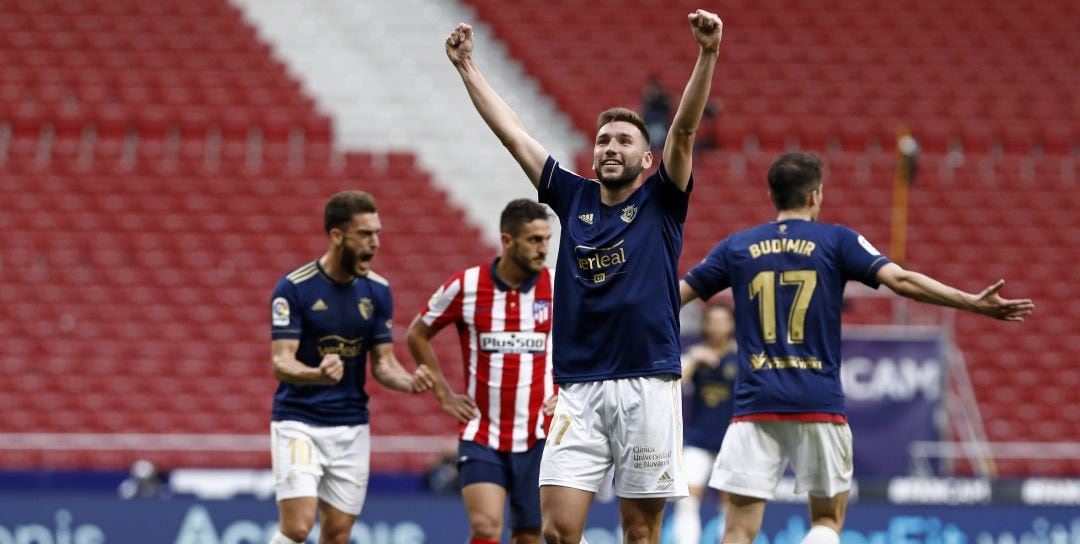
(326, 318)
(787, 279)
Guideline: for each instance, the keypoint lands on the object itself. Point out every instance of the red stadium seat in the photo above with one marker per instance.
(171, 211)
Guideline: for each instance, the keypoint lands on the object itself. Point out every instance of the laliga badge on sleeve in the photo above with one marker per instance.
(279, 313)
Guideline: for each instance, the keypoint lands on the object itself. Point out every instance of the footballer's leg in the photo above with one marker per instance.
(297, 469)
(343, 488)
(335, 525)
(647, 444)
(641, 520)
(576, 458)
(296, 518)
(823, 468)
(564, 512)
(743, 517)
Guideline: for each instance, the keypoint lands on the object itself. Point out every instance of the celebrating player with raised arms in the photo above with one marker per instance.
(616, 325)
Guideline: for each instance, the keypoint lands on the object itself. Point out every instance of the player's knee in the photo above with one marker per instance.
(740, 534)
(554, 533)
(640, 533)
(298, 527)
(485, 527)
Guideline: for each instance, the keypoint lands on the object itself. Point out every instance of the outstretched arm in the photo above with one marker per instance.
(502, 120)
(460, 406)
(923, 288)
(679, 147)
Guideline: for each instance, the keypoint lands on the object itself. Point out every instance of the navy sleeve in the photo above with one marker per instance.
(861, 260)
(676, 201)
(711, 275)
(384, 318)
(285, 312)
(557, 187)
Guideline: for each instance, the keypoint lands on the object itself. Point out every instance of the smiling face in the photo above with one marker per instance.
(620, 154)
(357, 242)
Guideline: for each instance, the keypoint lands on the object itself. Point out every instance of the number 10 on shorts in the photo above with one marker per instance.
(299, 452)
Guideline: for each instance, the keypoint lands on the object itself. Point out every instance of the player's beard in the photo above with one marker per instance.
(523, 261)
(630, 172)
(350, 261)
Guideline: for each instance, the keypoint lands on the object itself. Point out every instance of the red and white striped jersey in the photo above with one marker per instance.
(505, 343)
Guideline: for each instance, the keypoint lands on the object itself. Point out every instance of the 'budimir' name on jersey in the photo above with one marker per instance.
(782, 245)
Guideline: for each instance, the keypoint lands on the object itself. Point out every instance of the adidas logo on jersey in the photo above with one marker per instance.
(665, 480)
(318, 306)
(586, 217)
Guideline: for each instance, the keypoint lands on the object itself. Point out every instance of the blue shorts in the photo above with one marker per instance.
(518, 473)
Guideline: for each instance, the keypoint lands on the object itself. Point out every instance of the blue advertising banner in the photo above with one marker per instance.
(425, 519)
(894, 386)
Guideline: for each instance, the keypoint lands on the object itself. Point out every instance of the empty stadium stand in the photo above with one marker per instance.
(159, 171)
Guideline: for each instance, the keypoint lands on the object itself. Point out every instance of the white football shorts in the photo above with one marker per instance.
(755, 453)
(633, 423)
(699, 465)
(331, 463)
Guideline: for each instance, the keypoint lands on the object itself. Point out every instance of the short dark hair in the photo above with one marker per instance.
(792, 178)
(626, 115)
(521, 211)
(343, 206)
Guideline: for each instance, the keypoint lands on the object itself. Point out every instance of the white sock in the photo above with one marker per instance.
(282, 539)
(820, 534)
(688, 520)
(583, 540)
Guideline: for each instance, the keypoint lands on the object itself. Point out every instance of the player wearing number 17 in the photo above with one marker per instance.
(615, 328)
(787, 279)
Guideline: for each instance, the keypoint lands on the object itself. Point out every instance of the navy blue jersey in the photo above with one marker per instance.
(787, 279)
(616, 312)
(711, 402)
(329, 317)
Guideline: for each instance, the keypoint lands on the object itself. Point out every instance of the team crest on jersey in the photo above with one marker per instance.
(389, 324)
(279, 312)
(629, 213)
(541, 311)
(366, 308)
(586, 217)
(783, 229)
